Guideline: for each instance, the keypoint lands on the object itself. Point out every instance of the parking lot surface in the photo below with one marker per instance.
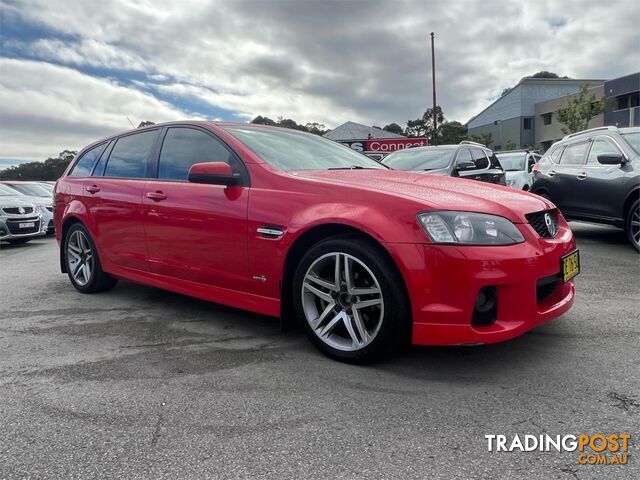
(141, 383)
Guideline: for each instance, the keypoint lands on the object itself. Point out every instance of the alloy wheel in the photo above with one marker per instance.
(342, 301)
(634, 225)
(79, 258)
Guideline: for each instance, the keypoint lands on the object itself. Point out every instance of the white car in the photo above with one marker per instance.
(19, 220)
(518, 166)
(35, 193)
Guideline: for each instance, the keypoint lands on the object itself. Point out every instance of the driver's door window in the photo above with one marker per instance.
(600, 146)
(464, 158)
(480, 159)
(183, 146)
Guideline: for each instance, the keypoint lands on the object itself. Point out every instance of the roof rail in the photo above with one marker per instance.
(528, 150)
(469, 142)
(609, 128)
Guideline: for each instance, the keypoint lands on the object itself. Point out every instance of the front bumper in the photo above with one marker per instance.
(443, 282)
(10, 227)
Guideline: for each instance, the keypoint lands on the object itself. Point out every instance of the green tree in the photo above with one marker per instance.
(509, 145)
(393, 128)
(451, 133)
(545, 74)
(49, 170)
(260, 120)
(423, 126)
(316, 128)
(580, 108)
(484, 138)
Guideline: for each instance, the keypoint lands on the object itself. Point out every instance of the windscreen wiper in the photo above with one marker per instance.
(352, 167)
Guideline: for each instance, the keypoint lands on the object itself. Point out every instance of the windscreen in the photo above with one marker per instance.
(633, 139)
(290, 150)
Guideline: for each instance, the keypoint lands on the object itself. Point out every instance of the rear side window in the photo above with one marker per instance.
(574, 154)
(480, 158)
(128, 158)
(87, 161)
(182, 147)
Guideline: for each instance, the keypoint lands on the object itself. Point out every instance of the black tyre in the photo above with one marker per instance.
(350, 300)
(83, 262)
(632, 225)
(544, 195)
(18, 241)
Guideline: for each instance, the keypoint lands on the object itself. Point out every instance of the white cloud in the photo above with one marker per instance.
(86, 52)
(334, 61)
(47, 108)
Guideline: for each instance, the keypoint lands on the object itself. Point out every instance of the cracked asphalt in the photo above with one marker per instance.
(141, 383)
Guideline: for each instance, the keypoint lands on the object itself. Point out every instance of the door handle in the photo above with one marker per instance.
(581, 175)
(157, 196)
(551, 173)
(93, 189)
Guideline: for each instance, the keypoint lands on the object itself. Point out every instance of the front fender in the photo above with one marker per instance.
(384, 228)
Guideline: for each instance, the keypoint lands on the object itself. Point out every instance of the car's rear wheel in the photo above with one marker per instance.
(83, 263)
(349, 297)
(633, 225)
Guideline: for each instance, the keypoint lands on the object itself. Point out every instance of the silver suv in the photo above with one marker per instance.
(19, 220)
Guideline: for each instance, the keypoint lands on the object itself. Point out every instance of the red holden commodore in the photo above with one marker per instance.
(290, 224)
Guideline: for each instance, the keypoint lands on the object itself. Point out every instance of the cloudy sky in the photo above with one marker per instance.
(73, 71)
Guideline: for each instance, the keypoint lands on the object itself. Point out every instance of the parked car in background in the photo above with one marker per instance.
(48, 186)
(290, 224)
(594, 176)
(466, 160)
(37, 194)
(30, 188)
(19, 220)
(518, 168)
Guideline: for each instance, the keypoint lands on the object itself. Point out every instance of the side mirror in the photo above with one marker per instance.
(611, 159)
(216, 173)
(468, 165)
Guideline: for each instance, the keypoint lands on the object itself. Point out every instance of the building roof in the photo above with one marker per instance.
(551, 82)
(356, 131)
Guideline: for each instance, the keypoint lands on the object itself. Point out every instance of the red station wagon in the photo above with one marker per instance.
(290, 224)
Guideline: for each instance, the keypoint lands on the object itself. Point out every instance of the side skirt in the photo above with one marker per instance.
(232, 298)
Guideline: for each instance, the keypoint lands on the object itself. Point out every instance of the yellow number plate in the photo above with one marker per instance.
(570, 265)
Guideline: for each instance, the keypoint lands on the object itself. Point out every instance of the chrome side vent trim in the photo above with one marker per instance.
(270, 232)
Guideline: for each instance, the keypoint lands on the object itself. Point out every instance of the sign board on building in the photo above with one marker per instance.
(380, 147)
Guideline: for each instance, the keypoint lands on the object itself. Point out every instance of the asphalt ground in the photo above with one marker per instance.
(142, 383)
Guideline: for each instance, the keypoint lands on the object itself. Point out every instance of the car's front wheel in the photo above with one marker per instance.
(83, 263)
(633, 225)
(350, 299)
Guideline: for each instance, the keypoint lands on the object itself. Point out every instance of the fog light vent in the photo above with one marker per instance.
(486, 308)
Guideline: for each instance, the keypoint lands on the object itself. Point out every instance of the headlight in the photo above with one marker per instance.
(42, 209)
(467, 228)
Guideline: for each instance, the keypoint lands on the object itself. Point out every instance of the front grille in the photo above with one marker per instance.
(14, 226)
(545, 223)
(546, 287)
(16, 210)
